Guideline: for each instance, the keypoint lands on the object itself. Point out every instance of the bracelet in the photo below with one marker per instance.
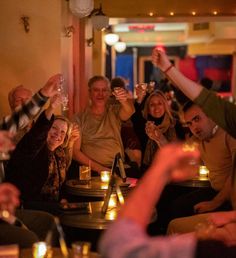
(168, 68)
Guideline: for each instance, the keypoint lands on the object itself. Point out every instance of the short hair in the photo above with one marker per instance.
(188, 105)
(118, 82)
(12, 93)
(97, 78)
(206, 82)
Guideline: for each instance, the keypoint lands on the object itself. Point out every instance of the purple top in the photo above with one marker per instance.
(125, 238)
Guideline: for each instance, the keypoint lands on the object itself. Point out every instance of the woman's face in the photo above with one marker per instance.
(156, 107)
(57, 134)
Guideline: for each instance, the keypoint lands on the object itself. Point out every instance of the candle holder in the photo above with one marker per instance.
(112, 201)
(41, 250)
(203, 172)
(105, 176)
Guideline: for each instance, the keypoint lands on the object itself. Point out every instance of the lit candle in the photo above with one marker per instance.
(39, 249)
(203, 172)
(112, 201)
(105, 176)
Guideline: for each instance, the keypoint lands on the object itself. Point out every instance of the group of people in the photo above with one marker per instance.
(127, 236)
(42, 146)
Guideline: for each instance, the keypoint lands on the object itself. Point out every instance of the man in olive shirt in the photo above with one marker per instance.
(100, 125)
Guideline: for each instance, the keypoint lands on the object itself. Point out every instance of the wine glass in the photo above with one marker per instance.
(64, 94)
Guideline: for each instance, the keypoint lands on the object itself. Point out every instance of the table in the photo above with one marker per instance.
(27, 253)
(94, 188)
(95, 220)
(195, 182)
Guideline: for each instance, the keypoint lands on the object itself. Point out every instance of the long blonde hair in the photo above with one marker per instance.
(164, 100)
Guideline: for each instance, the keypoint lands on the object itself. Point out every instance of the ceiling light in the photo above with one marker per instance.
(120, 46)
(111, 39)
(81, 8)
(99, 20)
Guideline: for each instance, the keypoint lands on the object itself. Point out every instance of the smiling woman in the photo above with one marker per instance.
(39, 163)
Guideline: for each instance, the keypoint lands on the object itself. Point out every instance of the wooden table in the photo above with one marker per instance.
(95, 220)
(27, 253)
(94, 188)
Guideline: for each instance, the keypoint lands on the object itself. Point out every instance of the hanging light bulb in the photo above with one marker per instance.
(120, 46)
(111, 39)
(99, 20)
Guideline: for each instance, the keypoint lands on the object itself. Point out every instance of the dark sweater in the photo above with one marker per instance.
(28, 166)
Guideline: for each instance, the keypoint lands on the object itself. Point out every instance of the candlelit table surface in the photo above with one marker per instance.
(27, 253)
(194, 182)
(94, 220)
(94, 187)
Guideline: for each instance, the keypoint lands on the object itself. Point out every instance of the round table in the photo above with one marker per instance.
(94, 220)
(27, 253)
(93, 188)
(195, 182)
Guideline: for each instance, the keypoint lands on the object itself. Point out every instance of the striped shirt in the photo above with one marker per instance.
(24, 115)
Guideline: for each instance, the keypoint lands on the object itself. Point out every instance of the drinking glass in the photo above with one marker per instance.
(64, 94)
(84, 173)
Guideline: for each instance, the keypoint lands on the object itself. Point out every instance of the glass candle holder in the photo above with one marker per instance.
(105, 176)
(203, 172)
(112, 201)
(40, 250)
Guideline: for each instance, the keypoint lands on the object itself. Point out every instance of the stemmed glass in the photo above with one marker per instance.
(64, 94)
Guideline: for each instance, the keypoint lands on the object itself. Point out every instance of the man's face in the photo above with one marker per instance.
(99, 93)
(57, 134)
(199, 124)
(20, 96)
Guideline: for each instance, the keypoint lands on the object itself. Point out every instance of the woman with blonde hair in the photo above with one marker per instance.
(158, 125)
(39, 164)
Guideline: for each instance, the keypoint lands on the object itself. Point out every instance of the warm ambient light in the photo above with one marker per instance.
(203, 172)
(172, 13)
(111, 39)
(112, 201)
(39, 249)
(215, 12)
(193, 13)
(120, 46)
(105, 176)
(151, 14)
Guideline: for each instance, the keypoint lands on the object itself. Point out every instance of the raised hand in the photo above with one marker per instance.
(6, 143)
(140, 92)
(120, 94)
(52, 85)
(177, 163)
(74, 134)
(154, 133)
(9, 198)
(160, 59)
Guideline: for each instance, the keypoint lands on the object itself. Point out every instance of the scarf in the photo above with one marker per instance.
(167, 128)
(56, 175)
